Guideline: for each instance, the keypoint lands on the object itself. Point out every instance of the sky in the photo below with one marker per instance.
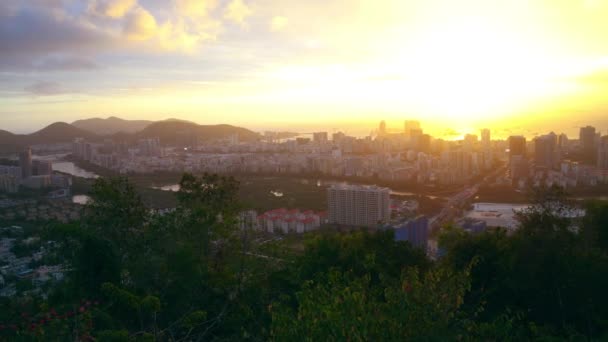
(516, 66)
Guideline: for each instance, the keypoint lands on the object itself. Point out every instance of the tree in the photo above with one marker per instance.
(116, 213)
(343, 307)
(207, 211)
(595, 224)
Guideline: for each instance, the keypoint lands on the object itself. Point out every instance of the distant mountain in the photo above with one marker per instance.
(111, 125)
(9, 142)
(186, 133)
(59, 132)
(170, 132)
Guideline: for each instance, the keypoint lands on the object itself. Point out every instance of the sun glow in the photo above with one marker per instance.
(459, 70)
(466, 63)
(469, 67)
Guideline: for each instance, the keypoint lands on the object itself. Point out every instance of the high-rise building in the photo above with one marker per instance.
(358, 205)
(415, 231)
(486, 148)
(587, 143)
(469, 142)
(150, 147)
(562, 141)
(602, 153)
(410, 126)
(415, 133)
(518, 168)
(485, 138)
(545, 151)
(423, 143)
(25, 162)
(337, 137)
(320, 137)
(42, 168)
(518, 163)
(517, 145)
(9, 183)
(382, 128)
(14, 171)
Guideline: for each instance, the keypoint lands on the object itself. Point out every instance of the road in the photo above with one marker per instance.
(457, 201)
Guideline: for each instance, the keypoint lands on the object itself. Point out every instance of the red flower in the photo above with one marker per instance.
(82, 309)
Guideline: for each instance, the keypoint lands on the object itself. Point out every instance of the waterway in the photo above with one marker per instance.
(63, 166)
(318, 183)
(72, 169)
(81, 199)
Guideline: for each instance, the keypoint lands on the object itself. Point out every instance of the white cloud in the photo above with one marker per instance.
(237, 11)
(140, 25)
(111, 8)
(278, 23)
(195, 8)
(178, 35)
(45, 89)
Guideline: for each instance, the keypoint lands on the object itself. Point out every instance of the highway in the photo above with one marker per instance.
(459, 200)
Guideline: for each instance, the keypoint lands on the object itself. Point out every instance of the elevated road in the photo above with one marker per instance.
(457, 202)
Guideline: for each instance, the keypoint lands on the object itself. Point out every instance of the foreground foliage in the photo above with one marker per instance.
(194, 275)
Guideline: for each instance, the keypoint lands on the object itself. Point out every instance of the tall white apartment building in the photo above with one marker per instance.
(358, 205)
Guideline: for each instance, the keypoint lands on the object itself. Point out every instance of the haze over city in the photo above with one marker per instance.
(303, 170)
(457, 66)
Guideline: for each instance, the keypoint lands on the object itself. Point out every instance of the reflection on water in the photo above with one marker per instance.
(277, 193)
(170, 187)
(315, 183)
(601, 198)
(60, 165)
(402, 193)
(70, 168)
(81, 199)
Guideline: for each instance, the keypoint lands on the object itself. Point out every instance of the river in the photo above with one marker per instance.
(68, 167)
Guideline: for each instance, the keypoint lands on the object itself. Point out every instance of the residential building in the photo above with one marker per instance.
(320, 137)
(587, 144)
(415, 231)
(358, 205)
(25, 162)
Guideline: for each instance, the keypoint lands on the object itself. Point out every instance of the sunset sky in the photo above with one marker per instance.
(520, 66)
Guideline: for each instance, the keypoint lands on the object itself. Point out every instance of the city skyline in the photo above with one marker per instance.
(361, 131)
(303, 170)
(461, 66)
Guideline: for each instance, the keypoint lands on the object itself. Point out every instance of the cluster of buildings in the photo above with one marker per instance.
(358, 205)
(350, 206)
(29, 268)
(409, 156)
(30, 173)
(415, 231)
(283, 220)
(554, 159)
(111, 155)
(484, 215)
(24, 267)
(61, 210)
(370, 206)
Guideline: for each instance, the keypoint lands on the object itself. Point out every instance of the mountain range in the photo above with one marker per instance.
(111, 125)
(168, 131)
